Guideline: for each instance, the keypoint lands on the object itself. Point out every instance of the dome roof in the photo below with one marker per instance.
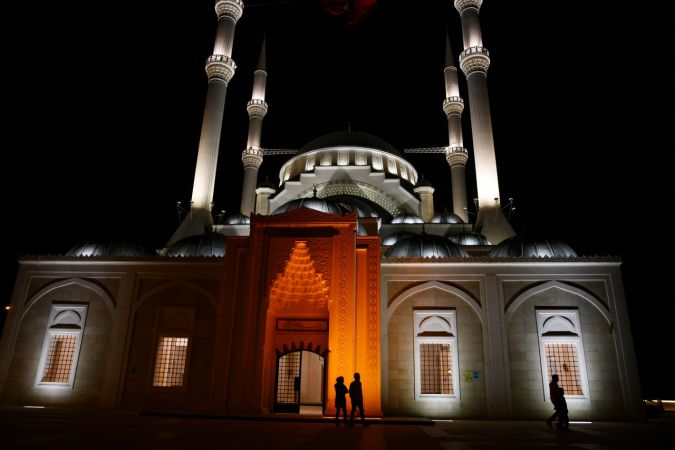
(349, 138)
(529, 246)
(113, 248)
(469, 238)
(395, 237)
(237, 219)
(407, 218)
(447, 217)
(208, 244)
(319, 204)
(425, 246)
(337, 204)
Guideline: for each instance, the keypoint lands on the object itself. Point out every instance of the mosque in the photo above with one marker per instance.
(341, 267)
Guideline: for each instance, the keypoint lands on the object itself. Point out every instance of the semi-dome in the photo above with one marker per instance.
(425, 246)
(208, 244)
(528, 246)
(447, 217)
(395, 237)
(237, 219)
(407, 218)
(349, 138)
(338, 204)
(469, 238)
(319, 204)
(112, 248)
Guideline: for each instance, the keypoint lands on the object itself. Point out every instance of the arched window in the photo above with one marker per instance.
(436, 362)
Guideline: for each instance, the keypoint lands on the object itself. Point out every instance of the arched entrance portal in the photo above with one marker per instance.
(299, 386)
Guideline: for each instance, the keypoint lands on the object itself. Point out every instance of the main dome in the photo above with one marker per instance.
(349, 138)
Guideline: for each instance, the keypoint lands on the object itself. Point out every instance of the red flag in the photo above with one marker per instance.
(355, 10)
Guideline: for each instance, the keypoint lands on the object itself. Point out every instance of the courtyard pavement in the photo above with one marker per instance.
(56, 428)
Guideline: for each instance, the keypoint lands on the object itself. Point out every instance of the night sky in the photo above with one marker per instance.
(103, 104)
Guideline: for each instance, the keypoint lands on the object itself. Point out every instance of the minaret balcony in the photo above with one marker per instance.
(453, 105)
(474, 59)
(229, 8)
(252, 157)
(256, 108)
(456, 156)
(461, 5)
(220, 67)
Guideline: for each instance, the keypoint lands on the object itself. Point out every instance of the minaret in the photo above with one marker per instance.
(252, 157)
(456, 154)
(474, 61)
(219, 69)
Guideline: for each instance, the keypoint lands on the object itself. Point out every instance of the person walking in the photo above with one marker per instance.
(340, 399)
(356, 397)
(554, 394)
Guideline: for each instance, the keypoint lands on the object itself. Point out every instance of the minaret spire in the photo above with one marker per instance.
(219, 69)
(475, 61)
(456, 155)
(252, 156)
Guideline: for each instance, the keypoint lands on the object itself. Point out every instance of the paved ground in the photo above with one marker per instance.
(52, 428)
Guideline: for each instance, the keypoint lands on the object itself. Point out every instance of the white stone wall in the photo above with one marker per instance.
(401, 370)
(20, 389)
(605, 398)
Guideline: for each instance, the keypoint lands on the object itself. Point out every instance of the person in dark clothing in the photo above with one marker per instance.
(340, 399)
(563, 413)
(356, 397)
(554, 394)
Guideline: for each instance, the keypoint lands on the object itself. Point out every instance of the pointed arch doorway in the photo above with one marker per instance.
(300, 381)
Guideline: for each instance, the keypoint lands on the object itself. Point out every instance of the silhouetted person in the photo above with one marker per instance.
(563, 414)
(340, 399)
(555, 395)
(356, 397)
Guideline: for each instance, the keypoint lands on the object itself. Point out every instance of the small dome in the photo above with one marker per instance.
(114, 248)
(423, 182)
(349, 138)
(447, 217)
(237, 219)
(395, 237)
(469, 238)
(407, 218)
(319, 204)
(267, 183)
(360, 206)
(529, 246)
(425, 246)
(208, 244)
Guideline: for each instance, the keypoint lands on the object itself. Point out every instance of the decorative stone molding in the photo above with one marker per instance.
(474, 59)
(229, 8)
(453, 105)
(256, 108)
(220, 67)
(457, 156)
(494, 259)
(252, 157)
(461, 5)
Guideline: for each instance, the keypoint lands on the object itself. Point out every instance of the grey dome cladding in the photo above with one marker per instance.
(339, 204)
(528, 246)
(425, 246)
(349, 138)
(407, 218)
(318, 204)
(447, 217)
(395, 237)
(469, 238)
(237, 219)
(113, 248)
(208, 244)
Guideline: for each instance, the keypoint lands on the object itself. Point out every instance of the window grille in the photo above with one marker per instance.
(562, 359)
(59, 362)
(170, 362)
(436, 369)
